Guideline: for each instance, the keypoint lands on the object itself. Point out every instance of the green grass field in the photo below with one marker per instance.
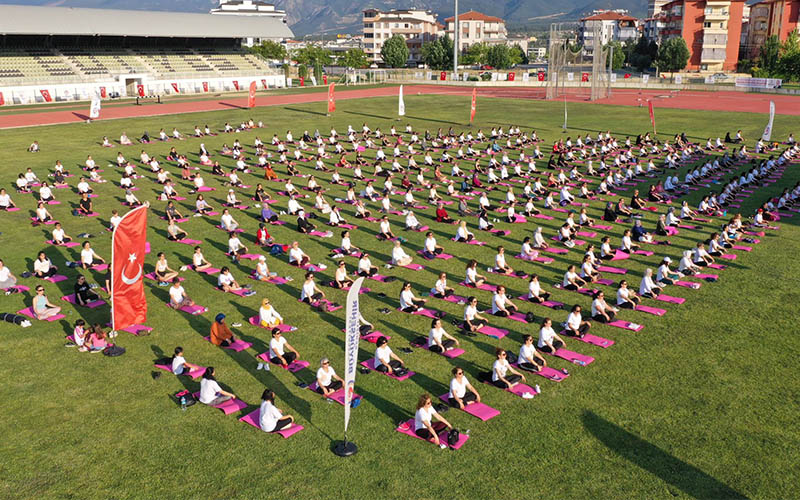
(701, 403)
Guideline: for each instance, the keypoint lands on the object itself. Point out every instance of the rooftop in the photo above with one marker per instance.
(475, 16)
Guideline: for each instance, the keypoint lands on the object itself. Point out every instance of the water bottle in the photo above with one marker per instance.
(183, 403)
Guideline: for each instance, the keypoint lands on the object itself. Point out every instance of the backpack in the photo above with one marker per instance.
(277, 250)
(511, 357)
(530, 317)
(401, 372)
(452, 437)
(114, 350)
(364, 329)
(187, 395)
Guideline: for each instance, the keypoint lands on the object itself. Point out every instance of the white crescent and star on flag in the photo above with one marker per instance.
(137, 277)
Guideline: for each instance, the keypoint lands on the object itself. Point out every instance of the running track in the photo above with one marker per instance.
(709, 101)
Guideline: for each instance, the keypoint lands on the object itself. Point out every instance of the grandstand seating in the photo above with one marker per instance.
(74, 64)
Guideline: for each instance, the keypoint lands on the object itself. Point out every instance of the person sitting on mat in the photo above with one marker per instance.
(628, 246)
(501, 305)
(423, 421)
(686, 266)
(97, 339)
(588, 272)
(88, 255)
(385, 359)
(440, 289)
(164, 273)
(42, 308)
(463, 235)
(571, 279)
(535, 293)
(439, 340)
(83, 292)
(268, 317)
(221, 335)
(199, 261)
(226, 282)
(701, 256)
(500, 265)
(472, 320)
(365, 267)
(179, 364)
(609, 214)
(575, 324)
(627, 298)
(177, 295)
(622, 210)
(665, 275)
(637, 202)
(601, 311)
(549, 341)
(340, 278)
(328, 381)
(649, 288)
(278, 347)
(500, 369)
(461, 391)
(473, 279)
(43, 267)
(211, 393)
(399, 256)
(529, 359)
(408, 302)
(310, 292)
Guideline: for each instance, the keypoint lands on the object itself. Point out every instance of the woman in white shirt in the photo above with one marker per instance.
(665, 274)
(399, 256)
(201, 206)
(473, 279)
(385, 229)
(88, 256)
(472, 320)
(270, 418)
(431, 249)
(549, 341)
(365, 267)
(649, 288)
(463, 234)
(408, 302)
(601, 311)
(179, 364)
(42, 267)
(500, 371)
(500, 265)
(439, 340)
(529, 359)
(297, 257)
(163, 272)
(686, 266)
(501, 305)
(701, 256)
(328, 381)
(571, 279)
(310, 292)
(535, 292)
(210, 391)
(385, 359)
(461, 391)
(626, 297)
(177, 295)
(588, 272)
(227, 222)
(440, 289)
(280, 351)
(268, 316)
(538, 239)
(423, 421)
(575, 325)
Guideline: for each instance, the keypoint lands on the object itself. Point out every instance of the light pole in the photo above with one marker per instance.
(455, 41)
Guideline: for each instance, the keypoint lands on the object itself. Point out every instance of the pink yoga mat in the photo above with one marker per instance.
(497, 333)
(56, 278)
(28, 311)
(643, 252)
(455, 299)
(592, 339)
(743, 248)
(479, 410)
(450, 353)
(238, 345)
(327, 304)
(407, 428)
(242, 292)
(229, 406)
(370, 363)
(555, 250)
(193, 310)
(152, 276)
(254, 320)
(546, 217)
(688, 284)
(337, 396)
(551, 373)
(620, 255)
(373, 337)
(604, 228)
(651, 310)
(484, 286)
(254, 417)
(91, 305)
(187, 241)
(729, 256)
(500, 232)
(422, 312)
(706, 276)
(472, 242)
(195, 374)
(360, 291)
(612, 270)
(414, 267)
(672, 300)
(518, 389)
(586, 234)
(443, 256)
(512, 275)
(68, 244)
(294, 366)
(626, 325)
(378, 277)
(574, 357)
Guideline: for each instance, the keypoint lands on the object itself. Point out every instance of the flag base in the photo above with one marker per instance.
(345, 449)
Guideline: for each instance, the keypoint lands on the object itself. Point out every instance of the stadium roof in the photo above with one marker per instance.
(29, 20)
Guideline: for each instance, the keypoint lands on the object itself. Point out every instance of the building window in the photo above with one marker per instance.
(706, 25)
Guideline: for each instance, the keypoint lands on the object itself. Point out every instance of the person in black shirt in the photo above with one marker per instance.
(85, 205)
(83, 292)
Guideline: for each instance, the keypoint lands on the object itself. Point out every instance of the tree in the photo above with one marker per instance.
(672, 55)
(642, 55)
(354, 58)
(438, 54)
(476, 54)
(769, 55)
(499, 57)
(518, 56)
(312, 55)
(395, 52)
(619, 55)
(270, 50)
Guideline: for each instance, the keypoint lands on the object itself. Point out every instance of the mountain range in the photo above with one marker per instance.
(309, 17)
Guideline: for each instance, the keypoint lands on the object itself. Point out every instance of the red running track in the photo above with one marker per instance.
(709, 101)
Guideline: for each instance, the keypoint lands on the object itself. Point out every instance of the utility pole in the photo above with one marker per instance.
(455, 41)
(610, 69)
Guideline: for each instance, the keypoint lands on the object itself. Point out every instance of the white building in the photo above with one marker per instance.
(416, 26)
(536, 53)
(475, 27)
(653, 26)
(249, 8)
(654, 7)
(613, 27)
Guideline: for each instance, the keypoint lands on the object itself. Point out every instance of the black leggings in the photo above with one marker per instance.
(541, 298)
(556, 343)
(396, 365)
(601, 319)
(317, 296)
(469, 397)
(478, 323)
(410, 309)
(572, 287)
(531, 367)
(282, 424)
(447, 343)
(50, 272)
(512, 379)
(424, 433)
(582, 330)
(289, 357)
(372, 272)
(335, 385)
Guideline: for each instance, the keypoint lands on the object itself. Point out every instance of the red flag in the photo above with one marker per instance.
(264, 83)
(46, 95)
(128, 304)
(541, 76)
(140, 89)
(2, 99)
(302, 81)
(331, 98)
(443, 76)
(652, 115)
(205, 86)
(584, 77)
(473, 107)
(627, 75)
(251, 97)
(103, 93)
(511, 76)
(236, 84)
(175, 87)
(324, 79)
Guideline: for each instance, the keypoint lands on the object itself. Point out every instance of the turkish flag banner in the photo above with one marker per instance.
(264, 83)
(251, 97)
(140, 90)
(473, 106)
(175, 87)
(627, 75)
(302, 81)
(443, 76)
(128, 304)
(46, 95)
(325, 79)
(2, 99)
(511, 76)
(205, 86)
(540, 76)
(103, 92)
(331, 98)
(236, 84)
(584, 77)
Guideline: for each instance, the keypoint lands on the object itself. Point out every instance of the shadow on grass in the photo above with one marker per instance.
(687, 478)
(307, 111)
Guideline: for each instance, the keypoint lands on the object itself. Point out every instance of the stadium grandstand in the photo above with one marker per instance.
(63, 54)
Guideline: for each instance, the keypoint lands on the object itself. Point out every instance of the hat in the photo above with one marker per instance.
(667, 259)
(262, 258)
(219, 317)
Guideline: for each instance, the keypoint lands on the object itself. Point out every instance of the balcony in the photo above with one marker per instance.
(712, 55)
(717, 15)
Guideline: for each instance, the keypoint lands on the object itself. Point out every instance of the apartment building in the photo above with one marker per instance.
(652, 27)
(654, 7)
(712, 31)
(415, 25)
(613, 26)
(768, 18)
(475, 27)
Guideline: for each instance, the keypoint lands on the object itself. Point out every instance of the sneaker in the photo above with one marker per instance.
(184, 268)
(260, 366)
(236, 325)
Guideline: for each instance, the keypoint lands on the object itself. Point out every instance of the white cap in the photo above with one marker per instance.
(667, 259)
